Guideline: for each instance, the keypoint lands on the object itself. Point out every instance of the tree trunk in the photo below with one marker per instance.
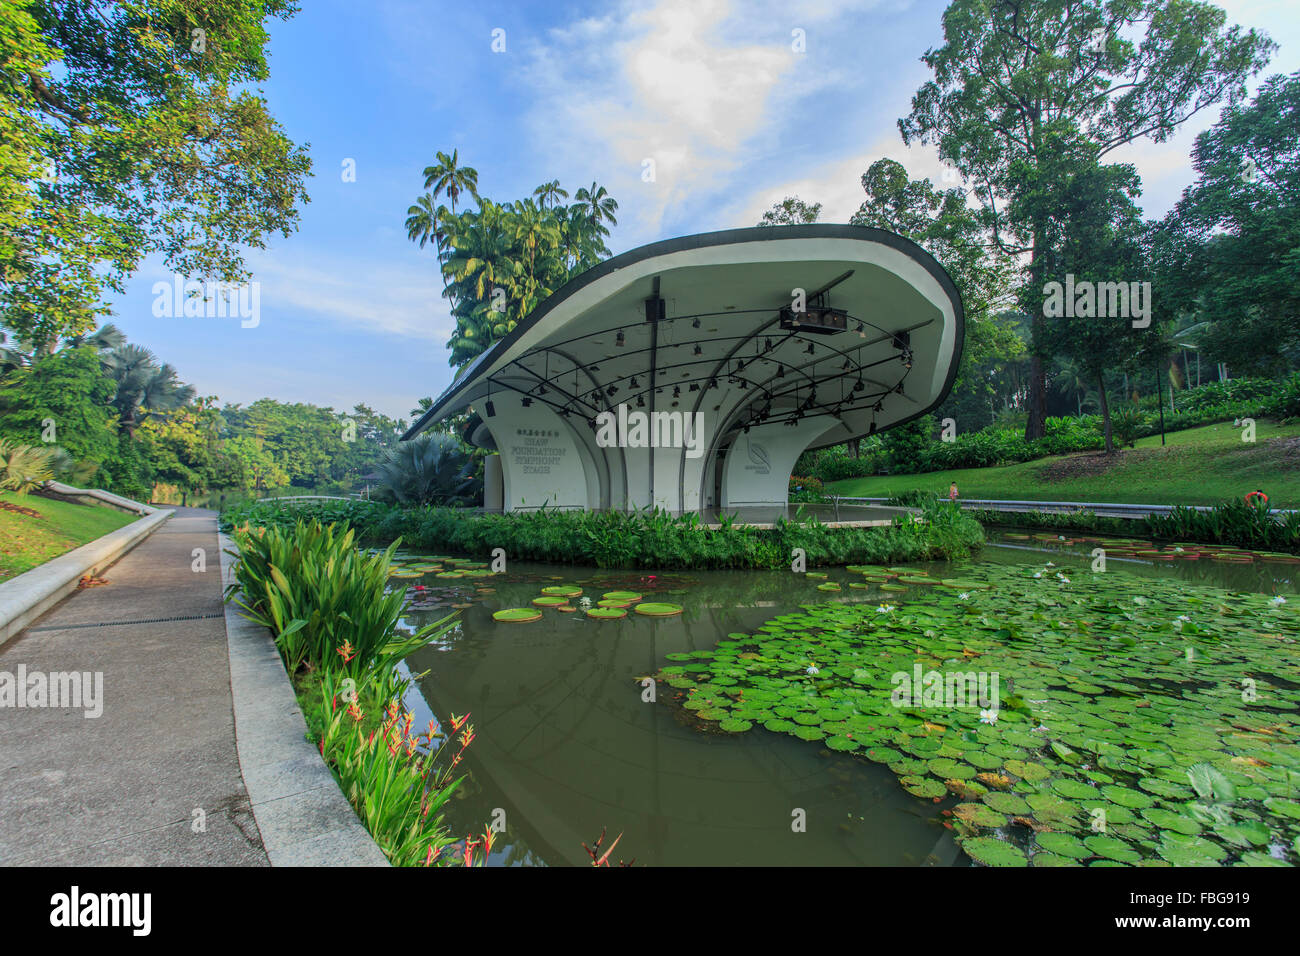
(1105, 415)
(1036, 423)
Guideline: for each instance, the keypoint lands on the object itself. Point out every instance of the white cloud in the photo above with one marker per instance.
(370, 295)
(689, 84)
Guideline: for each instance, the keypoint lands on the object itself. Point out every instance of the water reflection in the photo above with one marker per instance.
(567, 745)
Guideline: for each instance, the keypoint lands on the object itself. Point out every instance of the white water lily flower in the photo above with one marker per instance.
(1182, 617)
(988, 716)
(812, 670)
(1277, 600)
(965, 595)
(884, 609)
(1038, 574)
(1050, 564)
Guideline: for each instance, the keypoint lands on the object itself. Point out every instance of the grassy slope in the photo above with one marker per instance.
(1198, 466)
(26, 542)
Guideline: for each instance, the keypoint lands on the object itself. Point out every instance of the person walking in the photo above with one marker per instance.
(1257, 498)
(952, 491)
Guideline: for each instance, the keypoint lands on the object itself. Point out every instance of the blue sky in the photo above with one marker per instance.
(351, 310)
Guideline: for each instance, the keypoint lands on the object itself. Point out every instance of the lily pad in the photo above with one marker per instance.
(518, 615)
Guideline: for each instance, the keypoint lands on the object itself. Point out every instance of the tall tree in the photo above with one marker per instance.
(129, 130)
(142, 387)
(1232, 254)
(448, 176)
(500, 261)
(791, 211)
(942, 223)
(599, 206)
(1019, 81)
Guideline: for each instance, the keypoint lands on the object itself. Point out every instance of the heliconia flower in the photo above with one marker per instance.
(458, 722)
(347, 651)
(469, 851)
(355, 712)
(487, 841)
(433, 854)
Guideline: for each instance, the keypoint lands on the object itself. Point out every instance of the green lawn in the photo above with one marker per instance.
(26, 541)
(1199, 466)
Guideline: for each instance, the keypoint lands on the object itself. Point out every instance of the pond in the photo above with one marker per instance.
(567, 743)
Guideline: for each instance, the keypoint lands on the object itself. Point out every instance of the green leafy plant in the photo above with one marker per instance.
(326, 602)
(24, 468)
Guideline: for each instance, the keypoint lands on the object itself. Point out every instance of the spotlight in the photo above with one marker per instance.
(780, 371)
(809, 349)
(634, 383)
(845, 366)
(767, 345)
(677, 391)
(526, 401)
(640, 401)
(490, 408)
(872, 429)
(694, 387)
(611, 391)
(698, 350)
(618, 339)
(858, 386)
(695, 324)
(861, 330)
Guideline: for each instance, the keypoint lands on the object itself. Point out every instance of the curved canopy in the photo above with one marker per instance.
(778, 338)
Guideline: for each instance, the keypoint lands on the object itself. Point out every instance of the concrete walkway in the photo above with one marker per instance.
(155, 779)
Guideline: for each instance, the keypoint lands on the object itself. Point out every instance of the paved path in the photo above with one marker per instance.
(125, 788)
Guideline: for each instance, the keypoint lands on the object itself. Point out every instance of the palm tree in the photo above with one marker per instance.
(599, 205)
(143, 386)
(105, 338)
(424, 221)
(429, 468)
(449, 177)
(550, 193)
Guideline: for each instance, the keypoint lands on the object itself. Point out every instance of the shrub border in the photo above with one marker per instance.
(301, 813)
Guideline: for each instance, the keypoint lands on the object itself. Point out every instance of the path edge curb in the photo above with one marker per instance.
(31, 594)
(301, 813)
